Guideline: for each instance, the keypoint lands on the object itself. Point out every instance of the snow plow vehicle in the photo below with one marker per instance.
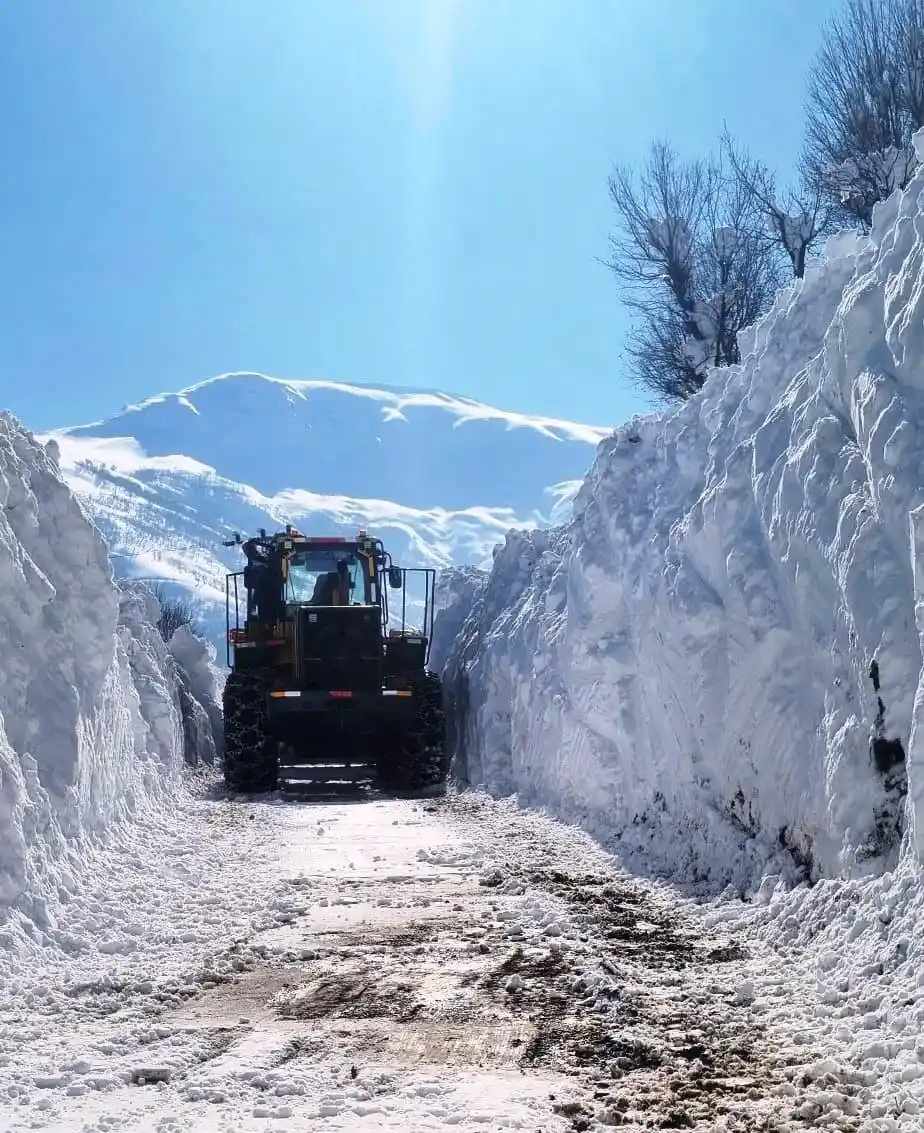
(324, 687)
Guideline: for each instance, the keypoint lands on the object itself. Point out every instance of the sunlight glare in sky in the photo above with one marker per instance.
(384, 191)
(433, 39)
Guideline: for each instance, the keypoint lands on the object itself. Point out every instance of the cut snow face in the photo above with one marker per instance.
(440, 479)
(717, 660)
(456, 591)
(91, 718)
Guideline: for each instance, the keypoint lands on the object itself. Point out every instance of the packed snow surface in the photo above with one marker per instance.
(439, 478)
(91, 715)
(717, 660)
(460, 964)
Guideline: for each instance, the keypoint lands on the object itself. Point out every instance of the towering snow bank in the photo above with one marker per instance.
(198, 679)
(456, 591)
(717, 660)
(91, 729)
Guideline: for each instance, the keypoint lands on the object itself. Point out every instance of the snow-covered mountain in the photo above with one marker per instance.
(439, 478)
(718, 660)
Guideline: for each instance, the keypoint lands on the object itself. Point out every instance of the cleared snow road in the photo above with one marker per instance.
(380, 965)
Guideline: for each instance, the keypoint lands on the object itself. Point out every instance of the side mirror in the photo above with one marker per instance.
(395, 577)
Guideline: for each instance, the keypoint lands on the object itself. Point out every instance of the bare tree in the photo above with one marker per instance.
(174, 612)
(692, 269)
(656, 346)
(908, 19)
(792, 222)
(865, 101)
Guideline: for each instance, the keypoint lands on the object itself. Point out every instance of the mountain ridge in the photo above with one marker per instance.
(360, 442)
(440, 478)
(382, 390)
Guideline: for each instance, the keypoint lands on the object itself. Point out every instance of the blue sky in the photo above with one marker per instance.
(402, 191)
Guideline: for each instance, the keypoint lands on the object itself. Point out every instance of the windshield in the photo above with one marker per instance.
(325, 576)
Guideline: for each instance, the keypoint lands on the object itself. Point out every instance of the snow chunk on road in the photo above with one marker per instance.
(462, 856)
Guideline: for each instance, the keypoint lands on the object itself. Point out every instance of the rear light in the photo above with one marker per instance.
(341, 695)
(239, 638)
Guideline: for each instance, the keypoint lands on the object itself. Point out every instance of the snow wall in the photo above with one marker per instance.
(96, 713)
(455, 594)
(717, 661)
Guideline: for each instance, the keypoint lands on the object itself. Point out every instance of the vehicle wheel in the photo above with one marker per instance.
(415, 759)
(251, 763)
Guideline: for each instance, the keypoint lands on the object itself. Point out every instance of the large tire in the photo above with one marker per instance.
(251, 761)
(415, 757)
